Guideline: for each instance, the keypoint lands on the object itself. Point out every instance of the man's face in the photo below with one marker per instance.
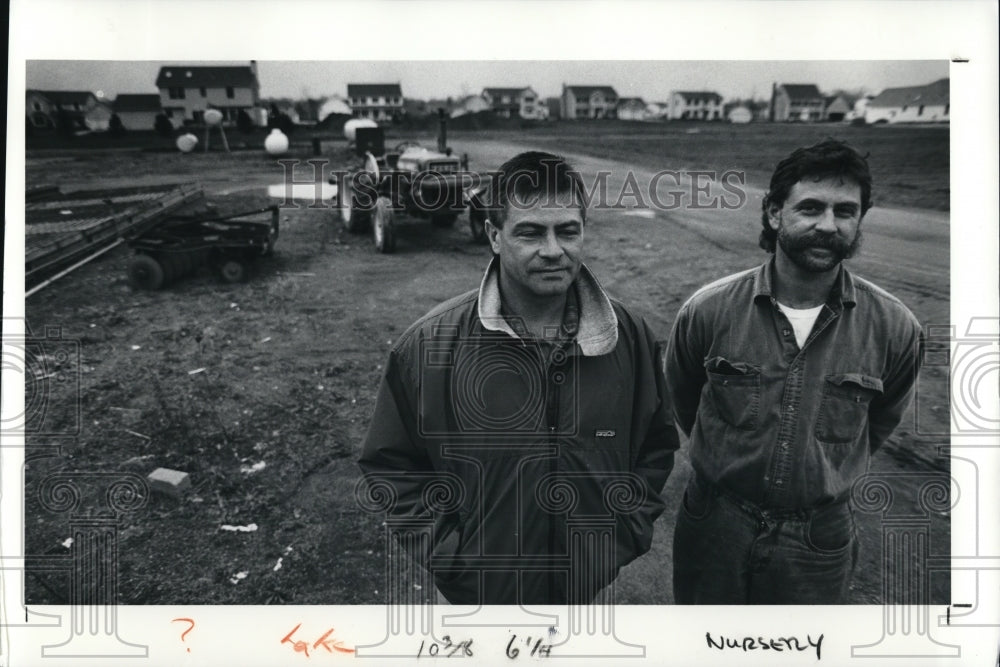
(819, 224)
(540, 245)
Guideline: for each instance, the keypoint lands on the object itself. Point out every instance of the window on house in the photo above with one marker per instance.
(946, 107)
(204, 93)
(904, 107)
(920, 111)
(36, 106)
(230, 93)
(176, 93)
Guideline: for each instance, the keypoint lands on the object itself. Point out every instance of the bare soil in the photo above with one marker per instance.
(292, 359)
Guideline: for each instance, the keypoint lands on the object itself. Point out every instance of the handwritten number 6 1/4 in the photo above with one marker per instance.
(446, 649)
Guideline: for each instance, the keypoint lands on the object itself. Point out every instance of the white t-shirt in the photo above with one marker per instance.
(802, 320)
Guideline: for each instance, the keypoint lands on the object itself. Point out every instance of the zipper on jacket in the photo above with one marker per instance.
(552, 417)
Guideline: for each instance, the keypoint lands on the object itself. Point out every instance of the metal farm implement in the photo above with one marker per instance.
(180, 244)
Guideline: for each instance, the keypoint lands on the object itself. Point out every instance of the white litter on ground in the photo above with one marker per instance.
(303, 192)
(239, 576)
(68, 543)
(242, 529)
(249, 470)
(277, 566)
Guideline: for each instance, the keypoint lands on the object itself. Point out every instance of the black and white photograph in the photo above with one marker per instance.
(474, 332)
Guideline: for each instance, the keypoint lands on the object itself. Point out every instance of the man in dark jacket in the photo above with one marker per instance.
(528, 418)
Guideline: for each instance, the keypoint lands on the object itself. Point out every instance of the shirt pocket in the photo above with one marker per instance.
(843, 410)
(735, 390)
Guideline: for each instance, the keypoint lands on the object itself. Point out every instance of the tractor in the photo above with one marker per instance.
(411, 180)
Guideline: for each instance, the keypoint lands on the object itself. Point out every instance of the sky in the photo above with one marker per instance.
(650, 79)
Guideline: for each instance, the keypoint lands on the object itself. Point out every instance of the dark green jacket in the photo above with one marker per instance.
(538, 466)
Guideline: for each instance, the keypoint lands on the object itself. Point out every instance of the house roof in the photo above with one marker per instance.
(137, 102)
(699, 95)
(802, 91)
(374, 90)
(186, 76)
(494, 92)
(630, 100)
(587, 91)
(936, 93)
(65, 96)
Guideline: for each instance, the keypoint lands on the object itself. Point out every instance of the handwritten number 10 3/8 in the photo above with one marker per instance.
(446, 648)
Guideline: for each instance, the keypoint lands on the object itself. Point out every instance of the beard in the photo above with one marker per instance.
(798, 249)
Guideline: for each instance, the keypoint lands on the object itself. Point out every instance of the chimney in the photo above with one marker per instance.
(770, 112)
(253, 68)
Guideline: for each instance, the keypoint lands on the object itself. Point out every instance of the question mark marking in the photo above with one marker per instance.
(183, 634)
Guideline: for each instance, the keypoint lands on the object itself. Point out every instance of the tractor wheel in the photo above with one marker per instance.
(477, 224)
(444, 219)
(355, 220)
(144, 272)
(233, 270)
(382, 226)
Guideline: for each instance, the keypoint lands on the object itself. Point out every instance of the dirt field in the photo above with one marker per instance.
(293, 357)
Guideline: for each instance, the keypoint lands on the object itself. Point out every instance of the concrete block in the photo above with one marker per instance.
(171, 482)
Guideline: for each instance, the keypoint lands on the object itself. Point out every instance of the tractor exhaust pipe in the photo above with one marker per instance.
(442, 131)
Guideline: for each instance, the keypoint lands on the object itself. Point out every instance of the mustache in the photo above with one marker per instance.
(831, 242)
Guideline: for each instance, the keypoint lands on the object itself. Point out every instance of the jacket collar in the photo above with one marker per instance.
(597, 328)
(843, 292)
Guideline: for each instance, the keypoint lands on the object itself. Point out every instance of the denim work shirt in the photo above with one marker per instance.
(780, 426)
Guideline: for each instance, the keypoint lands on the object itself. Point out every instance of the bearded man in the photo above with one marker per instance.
(786, 378)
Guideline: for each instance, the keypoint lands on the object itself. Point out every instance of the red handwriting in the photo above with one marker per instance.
(326, 641)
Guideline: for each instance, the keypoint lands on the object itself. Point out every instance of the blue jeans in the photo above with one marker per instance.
(727, 551)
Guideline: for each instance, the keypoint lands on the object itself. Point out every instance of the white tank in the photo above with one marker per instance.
(351, 127)
(213, 117)
(186, 142)
(276, 143)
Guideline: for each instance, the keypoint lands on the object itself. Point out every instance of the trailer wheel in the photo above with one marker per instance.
(355, 220)
(477, 224)
(233, 271)
(444, 219)
(144, 272)
(382, 226)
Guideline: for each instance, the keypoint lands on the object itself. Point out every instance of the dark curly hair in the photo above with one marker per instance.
(825, 159)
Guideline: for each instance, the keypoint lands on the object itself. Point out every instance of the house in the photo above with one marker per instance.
(835, 108)
(377, 101)
(514, 102)
(695, 105)
(187, 92)
(631, 108)
(797, 102)
(914, 104)
(137, 111)
(82, 108)
(469, 104)
(589, 102)
(859, 108)
(334, 105)
(40, 110)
